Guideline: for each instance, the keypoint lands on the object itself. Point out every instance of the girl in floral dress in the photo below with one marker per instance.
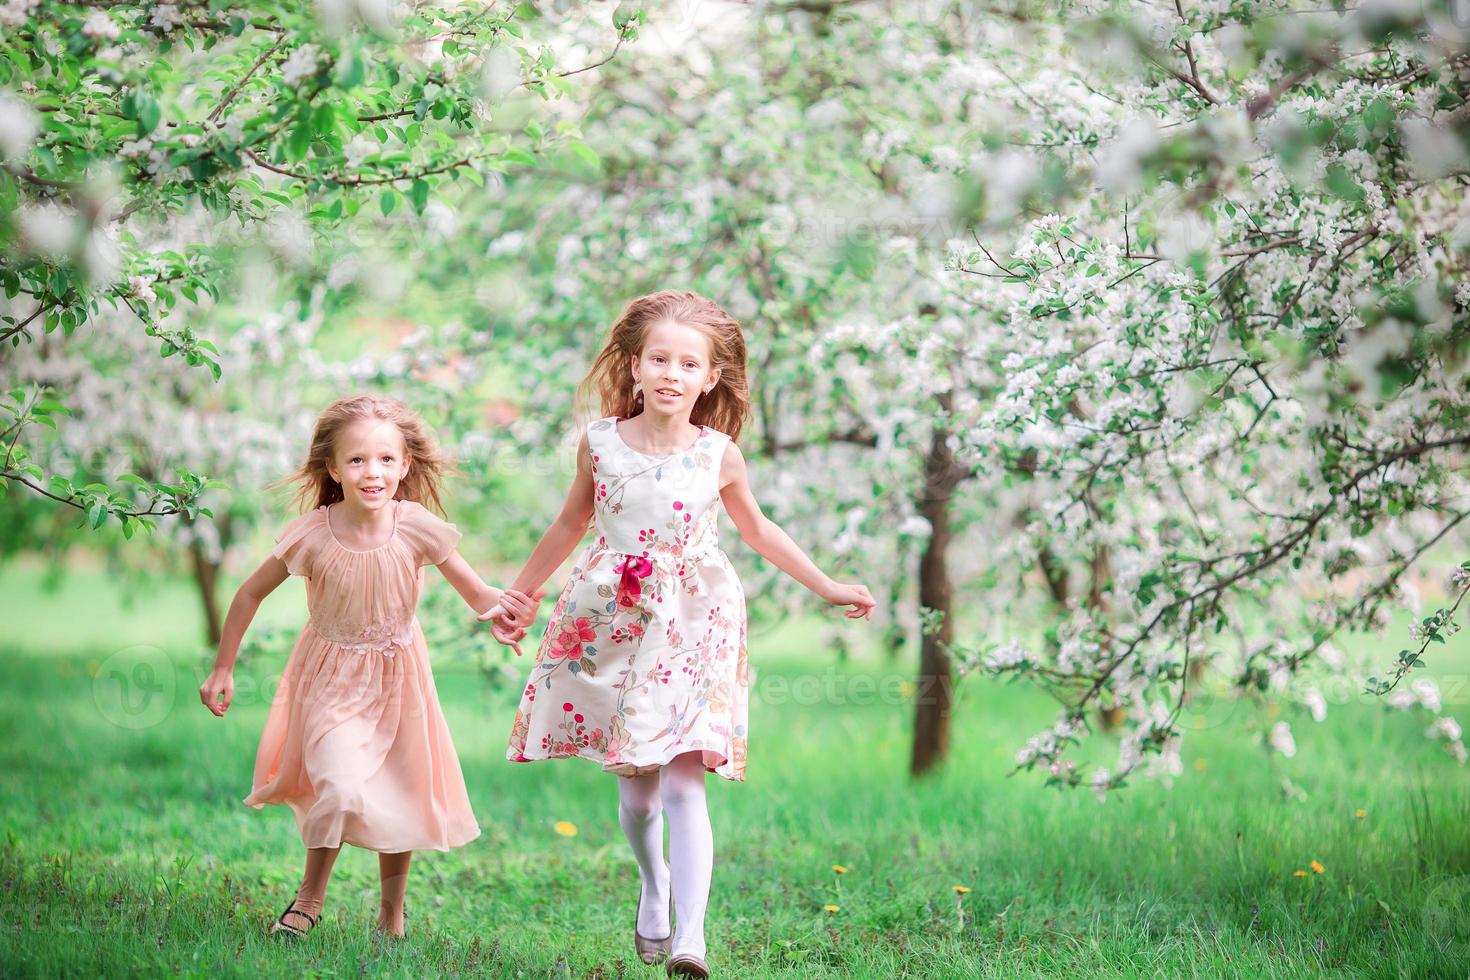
(355, 742)
(643, 666)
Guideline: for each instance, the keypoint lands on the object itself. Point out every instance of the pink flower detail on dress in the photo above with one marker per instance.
(628, 633)
(569, 639)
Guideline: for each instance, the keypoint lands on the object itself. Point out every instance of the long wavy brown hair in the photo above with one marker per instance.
(427, 466)
(610, 382)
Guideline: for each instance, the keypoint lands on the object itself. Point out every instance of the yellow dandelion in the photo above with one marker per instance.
(839, 869)
(829, 909)
(1317, 867)
(565, 827)
(1300, 874)
(1199, 765)
(1360, 814)
(960, 889)
(906, 689)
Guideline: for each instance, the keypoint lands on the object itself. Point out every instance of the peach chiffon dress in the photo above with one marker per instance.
(355, 742)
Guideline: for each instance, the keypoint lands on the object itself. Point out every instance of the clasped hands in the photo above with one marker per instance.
(512, 616)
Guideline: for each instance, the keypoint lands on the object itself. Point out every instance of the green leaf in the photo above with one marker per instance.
(149, 113)
(324, 120)
(585, 153)
(419, 194)
(388, 201)
(518, 155)
(299, 141)
(350, 70)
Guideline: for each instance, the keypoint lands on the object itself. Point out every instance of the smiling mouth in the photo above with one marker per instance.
(371, 491)
(666, 393)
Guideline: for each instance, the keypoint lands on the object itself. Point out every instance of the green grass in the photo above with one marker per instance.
(127, 850)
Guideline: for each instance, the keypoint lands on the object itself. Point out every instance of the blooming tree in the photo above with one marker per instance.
(1239, 362)
(1162, 305)
(118, 121)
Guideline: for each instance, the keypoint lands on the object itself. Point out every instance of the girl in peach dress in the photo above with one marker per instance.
(355, 742)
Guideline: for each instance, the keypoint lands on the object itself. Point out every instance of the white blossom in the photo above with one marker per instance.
(1427, 693)
(166, 17)
(1281, 739)
(100, 24)
(301, 65)
(18, 128)
(1316, 703)
(142, 288)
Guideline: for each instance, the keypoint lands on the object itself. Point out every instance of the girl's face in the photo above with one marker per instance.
(369, 460)
(674, 368)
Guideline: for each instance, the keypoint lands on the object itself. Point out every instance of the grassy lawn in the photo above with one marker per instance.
(127, 850)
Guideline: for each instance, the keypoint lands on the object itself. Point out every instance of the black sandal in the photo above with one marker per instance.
(295, 932)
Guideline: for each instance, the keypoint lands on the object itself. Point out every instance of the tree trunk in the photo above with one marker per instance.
(1102, 574)
(206, 575)
(935, 692)
(894, 637)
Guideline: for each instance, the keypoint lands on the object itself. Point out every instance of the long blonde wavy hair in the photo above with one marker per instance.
(427, 468)
(609, 384)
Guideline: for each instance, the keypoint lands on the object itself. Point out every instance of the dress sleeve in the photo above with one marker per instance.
(296, 545)
(433, 540)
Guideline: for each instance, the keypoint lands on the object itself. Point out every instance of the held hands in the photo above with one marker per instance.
(851, 594)
(217, 691)
(512, 616)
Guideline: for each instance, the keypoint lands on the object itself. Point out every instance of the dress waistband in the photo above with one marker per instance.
(705, 551)
(381, 638)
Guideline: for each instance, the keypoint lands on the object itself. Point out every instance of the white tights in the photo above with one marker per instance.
(676, 790)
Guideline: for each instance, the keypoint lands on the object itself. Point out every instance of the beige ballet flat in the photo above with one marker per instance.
(651, 951)
(685, 965)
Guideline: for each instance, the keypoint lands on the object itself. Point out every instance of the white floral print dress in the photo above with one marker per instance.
(644, 658)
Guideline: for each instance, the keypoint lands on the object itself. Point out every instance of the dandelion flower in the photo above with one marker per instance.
(839, 869)
(960, 889)
(1300, 874)
(1317, 867)
(829, 909)
(566, 828)
(1360, 814)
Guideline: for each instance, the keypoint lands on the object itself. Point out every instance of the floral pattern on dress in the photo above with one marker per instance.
(645, 654)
